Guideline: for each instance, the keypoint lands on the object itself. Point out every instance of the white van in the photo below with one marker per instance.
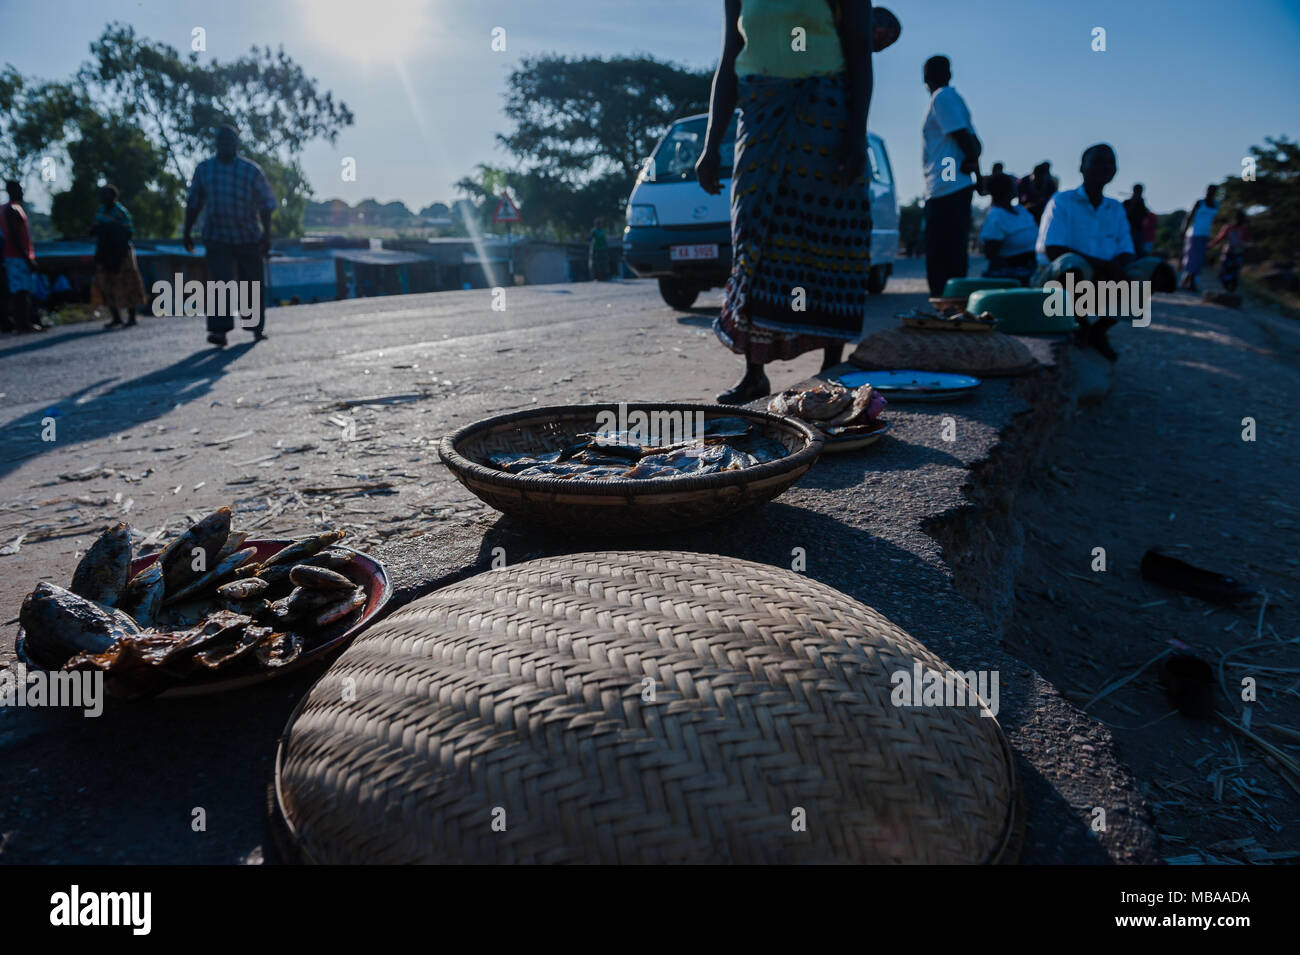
(678, 233)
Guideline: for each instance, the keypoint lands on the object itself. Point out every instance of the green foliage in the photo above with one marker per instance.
(291, 188)
(34, 119)
(582, 127)
(179, 102)
(115, 151)
(1272, 200)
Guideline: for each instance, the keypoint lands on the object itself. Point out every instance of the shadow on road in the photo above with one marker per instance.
(35, 342)
(699, 317)
(131, 402)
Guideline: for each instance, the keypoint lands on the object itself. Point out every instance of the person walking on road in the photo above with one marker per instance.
(800, 209)
(237, 202)
(19, 259)
(1234, 236)
(117, 284)
(1196, 236)
(950, 158)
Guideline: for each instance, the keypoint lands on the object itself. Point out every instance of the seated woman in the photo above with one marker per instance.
(1087, 233)
(1008, 233)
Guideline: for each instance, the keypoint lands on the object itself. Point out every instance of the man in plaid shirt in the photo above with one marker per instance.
(237, 226)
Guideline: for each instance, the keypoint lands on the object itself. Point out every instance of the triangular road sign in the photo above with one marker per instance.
(507, 211)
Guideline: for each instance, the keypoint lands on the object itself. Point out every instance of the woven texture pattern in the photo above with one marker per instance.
(528, 690)
(986, 354)
(612, 507)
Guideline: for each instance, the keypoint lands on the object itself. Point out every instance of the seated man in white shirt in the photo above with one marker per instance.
(1008, 234)
(1085, 232)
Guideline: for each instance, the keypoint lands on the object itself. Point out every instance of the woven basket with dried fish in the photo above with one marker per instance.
(630, 468)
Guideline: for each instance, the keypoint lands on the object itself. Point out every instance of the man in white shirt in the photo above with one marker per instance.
(1085, 222)
(1087, 233)
(950, 159)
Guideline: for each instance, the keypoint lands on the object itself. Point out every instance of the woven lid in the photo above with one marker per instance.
(638, 707)
(988, 354)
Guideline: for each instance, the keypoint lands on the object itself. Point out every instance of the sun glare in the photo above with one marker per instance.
(368, 30)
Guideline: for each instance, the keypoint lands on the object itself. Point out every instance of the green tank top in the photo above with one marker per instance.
(788, 38)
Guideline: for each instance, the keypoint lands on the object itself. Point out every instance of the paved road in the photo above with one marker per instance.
(156, 428)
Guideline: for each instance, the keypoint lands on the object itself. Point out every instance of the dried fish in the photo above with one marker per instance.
(760, 448)
(218, 574)
(177, 558)
(143, 596)
(60, 624)
(279, 649)
(320, 578)
(234, 541)
(221, 655)
(514, 463)
(243, 589)
(101, 575)
(341, 610)
(726, 428)
(305, 547)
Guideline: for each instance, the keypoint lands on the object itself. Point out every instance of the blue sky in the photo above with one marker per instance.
(1182, 90)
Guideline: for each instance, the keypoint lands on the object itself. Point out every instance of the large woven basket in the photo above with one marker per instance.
(638, 707)
(986, 355)
(619, 506)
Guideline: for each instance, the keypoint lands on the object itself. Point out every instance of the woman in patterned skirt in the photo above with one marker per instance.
(117, 277)
(800, 72)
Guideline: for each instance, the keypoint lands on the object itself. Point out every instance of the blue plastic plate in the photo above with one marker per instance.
(907, 385)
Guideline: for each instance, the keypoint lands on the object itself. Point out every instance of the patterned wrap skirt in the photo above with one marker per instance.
(801, 238)
(121, 288)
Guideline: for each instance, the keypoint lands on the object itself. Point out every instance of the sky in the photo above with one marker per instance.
(1182, 90)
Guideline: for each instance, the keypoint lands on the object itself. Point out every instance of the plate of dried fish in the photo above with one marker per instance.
(848, 417)
(211, 611)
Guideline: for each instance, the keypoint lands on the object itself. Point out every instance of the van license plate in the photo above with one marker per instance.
(692, 253)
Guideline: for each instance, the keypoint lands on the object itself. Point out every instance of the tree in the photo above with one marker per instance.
(177, 102)
(291, 188)
(115, 151)
(34, 119)
(1272, 199)
(582, 127)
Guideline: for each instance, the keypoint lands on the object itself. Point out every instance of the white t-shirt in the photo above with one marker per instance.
(947, 114)
(1016, 229)
(1070, 220)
